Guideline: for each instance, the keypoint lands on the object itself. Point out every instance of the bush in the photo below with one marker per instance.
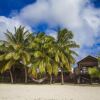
(94, 72)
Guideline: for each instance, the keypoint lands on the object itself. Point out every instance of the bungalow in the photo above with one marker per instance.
(81, 71)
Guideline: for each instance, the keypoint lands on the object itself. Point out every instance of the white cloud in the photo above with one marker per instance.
(9, 23)
(74, 14)
(34, 13)
(77, 15)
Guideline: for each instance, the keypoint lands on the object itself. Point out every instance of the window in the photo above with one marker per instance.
(84, 70)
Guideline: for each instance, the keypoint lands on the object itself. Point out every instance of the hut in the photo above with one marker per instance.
(81, 71)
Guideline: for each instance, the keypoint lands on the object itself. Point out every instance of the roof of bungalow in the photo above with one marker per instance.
(88, 57)
(88, 61)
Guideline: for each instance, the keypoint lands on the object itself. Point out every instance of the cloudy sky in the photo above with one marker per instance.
(82, 17)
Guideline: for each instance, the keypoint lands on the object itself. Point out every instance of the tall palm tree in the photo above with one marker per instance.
(50, 53)
(16, 50)
(65, 44)
(43, 57)
(39, 51)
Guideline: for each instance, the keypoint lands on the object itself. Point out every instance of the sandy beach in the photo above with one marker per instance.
(48, 92)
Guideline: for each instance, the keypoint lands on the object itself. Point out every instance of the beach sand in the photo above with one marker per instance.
(48, 92)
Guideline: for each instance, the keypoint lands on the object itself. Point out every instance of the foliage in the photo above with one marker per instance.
(65, 45)
(94, 72)
(15, 48)
(43, 54)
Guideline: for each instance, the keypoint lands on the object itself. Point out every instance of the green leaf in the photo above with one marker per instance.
(2, 57)
(63, 58)
(16, 56)
(42, 67)
(32, 45)
(37, 54)
(94, 72)
(25, 57)
(57, 58)
(49, 68)
(9, 56)
(8, 65)
(24, 61)
(55, 69)
(34, 72)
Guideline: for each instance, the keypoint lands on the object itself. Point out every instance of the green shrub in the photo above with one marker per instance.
(94, 72)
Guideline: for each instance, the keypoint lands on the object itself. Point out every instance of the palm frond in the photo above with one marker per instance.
(7, 66)
(2, 57)
(9, 56)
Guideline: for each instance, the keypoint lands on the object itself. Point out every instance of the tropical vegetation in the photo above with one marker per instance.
(38, 53)
(94, 73)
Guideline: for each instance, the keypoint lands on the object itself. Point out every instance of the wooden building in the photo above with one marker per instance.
(87, 62)
(81, 71)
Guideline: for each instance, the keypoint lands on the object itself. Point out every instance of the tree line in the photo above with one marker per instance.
(38, 51)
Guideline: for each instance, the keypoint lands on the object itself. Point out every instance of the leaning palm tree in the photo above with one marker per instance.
(15, 50)
(65, 54)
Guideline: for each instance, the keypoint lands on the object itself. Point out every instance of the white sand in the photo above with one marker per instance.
(48, 92)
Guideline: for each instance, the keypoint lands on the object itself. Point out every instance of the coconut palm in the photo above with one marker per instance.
(50, 53)
(47, 53)
(65, 53)
(15, 50)
(43, 56)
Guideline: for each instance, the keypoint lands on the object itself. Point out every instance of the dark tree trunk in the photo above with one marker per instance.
(11, 77)
(62, 77)
(25, 75)
(79, 79)
(90, 80)
(50, 79)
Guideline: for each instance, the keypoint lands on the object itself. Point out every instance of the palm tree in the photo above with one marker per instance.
(43, 57)
(50, 53)
(40, 51)
(16, 50)
(65, 53)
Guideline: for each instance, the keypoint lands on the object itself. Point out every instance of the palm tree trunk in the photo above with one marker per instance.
(91, 80)
(62, 77)
(25, 75)
(50, 79)
(11, 77)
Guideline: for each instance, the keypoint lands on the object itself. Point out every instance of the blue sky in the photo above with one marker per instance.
(82, 17)
(6, 6)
